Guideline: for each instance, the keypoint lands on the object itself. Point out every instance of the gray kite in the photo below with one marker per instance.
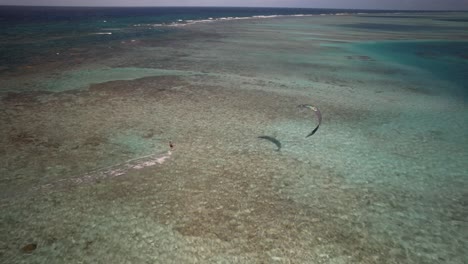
(317, 113)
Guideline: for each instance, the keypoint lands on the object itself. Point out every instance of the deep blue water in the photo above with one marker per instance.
(17, 14)
(32, 34)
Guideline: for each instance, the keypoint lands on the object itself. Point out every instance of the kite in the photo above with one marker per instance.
(317, 113)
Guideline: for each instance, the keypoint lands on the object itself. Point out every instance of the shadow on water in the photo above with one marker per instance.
(272, 140)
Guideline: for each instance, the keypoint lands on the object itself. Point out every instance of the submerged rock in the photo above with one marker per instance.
(29, 248)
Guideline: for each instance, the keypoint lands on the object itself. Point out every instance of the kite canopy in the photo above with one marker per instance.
(318, 114)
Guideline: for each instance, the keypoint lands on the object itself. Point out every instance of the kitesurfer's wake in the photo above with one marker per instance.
(317, 113)
(112, 171)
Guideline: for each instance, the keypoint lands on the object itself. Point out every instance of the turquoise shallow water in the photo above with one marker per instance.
(438, 60)
(144, 147)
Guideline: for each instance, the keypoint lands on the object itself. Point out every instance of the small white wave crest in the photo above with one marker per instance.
(182, 23)
(102, 33)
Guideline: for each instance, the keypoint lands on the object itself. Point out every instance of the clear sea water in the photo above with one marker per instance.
(444, 60)
(172, 135)
(39, 31)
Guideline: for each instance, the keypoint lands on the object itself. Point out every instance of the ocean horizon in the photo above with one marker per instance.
(173, 135)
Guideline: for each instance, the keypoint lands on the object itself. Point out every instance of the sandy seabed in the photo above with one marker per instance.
(87, 174)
